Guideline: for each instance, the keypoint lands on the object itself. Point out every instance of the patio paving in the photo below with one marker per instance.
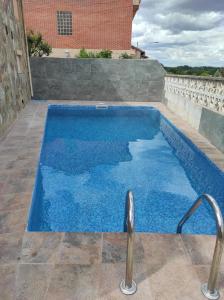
(76, 266)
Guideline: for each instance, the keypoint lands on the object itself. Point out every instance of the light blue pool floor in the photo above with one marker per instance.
(88, 163)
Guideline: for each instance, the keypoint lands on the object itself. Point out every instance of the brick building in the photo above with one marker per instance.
(69, 25)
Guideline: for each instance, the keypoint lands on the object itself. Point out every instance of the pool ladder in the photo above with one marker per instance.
(128, 285)
(209, 289)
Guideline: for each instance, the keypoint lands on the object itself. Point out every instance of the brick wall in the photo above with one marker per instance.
(97, 24)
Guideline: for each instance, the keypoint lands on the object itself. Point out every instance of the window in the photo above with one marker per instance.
(64, 22)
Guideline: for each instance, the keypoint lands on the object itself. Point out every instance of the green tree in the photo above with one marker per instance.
(36, 45)
(204, 73)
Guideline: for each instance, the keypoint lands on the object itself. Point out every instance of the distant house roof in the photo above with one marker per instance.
(136, 4)
(142, 52)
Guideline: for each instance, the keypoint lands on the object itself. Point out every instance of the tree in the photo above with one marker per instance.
(204, 73)
(219, 73)
(36, 45)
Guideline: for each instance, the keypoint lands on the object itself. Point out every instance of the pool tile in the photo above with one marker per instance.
(115, 248)
(10, 248)
(40, 247)
(7, 282)
(74, 282)
(13, 221)
(32, 281)
(81, 248)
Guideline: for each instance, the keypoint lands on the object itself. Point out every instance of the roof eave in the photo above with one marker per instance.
(136, 4)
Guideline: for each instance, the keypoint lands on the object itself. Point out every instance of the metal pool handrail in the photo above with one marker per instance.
(209, 289)
(127, 285)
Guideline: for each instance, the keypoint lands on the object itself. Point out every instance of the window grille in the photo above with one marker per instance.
(64, 22)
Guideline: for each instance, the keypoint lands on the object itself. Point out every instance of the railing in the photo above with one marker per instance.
(127, 285)
(204, 91)
(209, 289)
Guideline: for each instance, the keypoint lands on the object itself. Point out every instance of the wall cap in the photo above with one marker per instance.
(206, 78)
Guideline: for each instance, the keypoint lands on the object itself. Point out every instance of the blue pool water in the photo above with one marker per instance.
(90, 158)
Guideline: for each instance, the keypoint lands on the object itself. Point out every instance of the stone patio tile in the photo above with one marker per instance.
(14, 201)
(17, 185)
(115, 247)
(2, 185)
(74, 282)
(175, 281)
(16, 164)
(7, 282)
(13, 221)
(160, 249)
(22, 173)
(32, 281)
(8, 152)
(203, 275)
(80, 248)
(40, 247)
(10, 248)
(200, 249)
(111, 276)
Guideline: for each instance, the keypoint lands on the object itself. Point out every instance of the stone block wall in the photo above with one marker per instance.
(14, 76)
(199, 101)
(97, 79)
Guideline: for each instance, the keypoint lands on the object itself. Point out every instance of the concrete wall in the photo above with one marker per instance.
(97, 79)
(212, 127)
(14, 77)
(199, 101)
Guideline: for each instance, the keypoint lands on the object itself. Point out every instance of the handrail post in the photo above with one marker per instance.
(209, 289)
(127, 285)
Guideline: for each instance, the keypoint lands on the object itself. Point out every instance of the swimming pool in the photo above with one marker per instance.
(90, 157)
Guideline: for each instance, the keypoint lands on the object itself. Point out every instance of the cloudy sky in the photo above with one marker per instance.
(178, 32)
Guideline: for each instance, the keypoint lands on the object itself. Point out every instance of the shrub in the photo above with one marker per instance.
(102, 54)
(125, 55)
(36, 45)
(84, 54)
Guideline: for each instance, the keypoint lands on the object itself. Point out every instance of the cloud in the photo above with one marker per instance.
(186, 31)
(201, 5)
